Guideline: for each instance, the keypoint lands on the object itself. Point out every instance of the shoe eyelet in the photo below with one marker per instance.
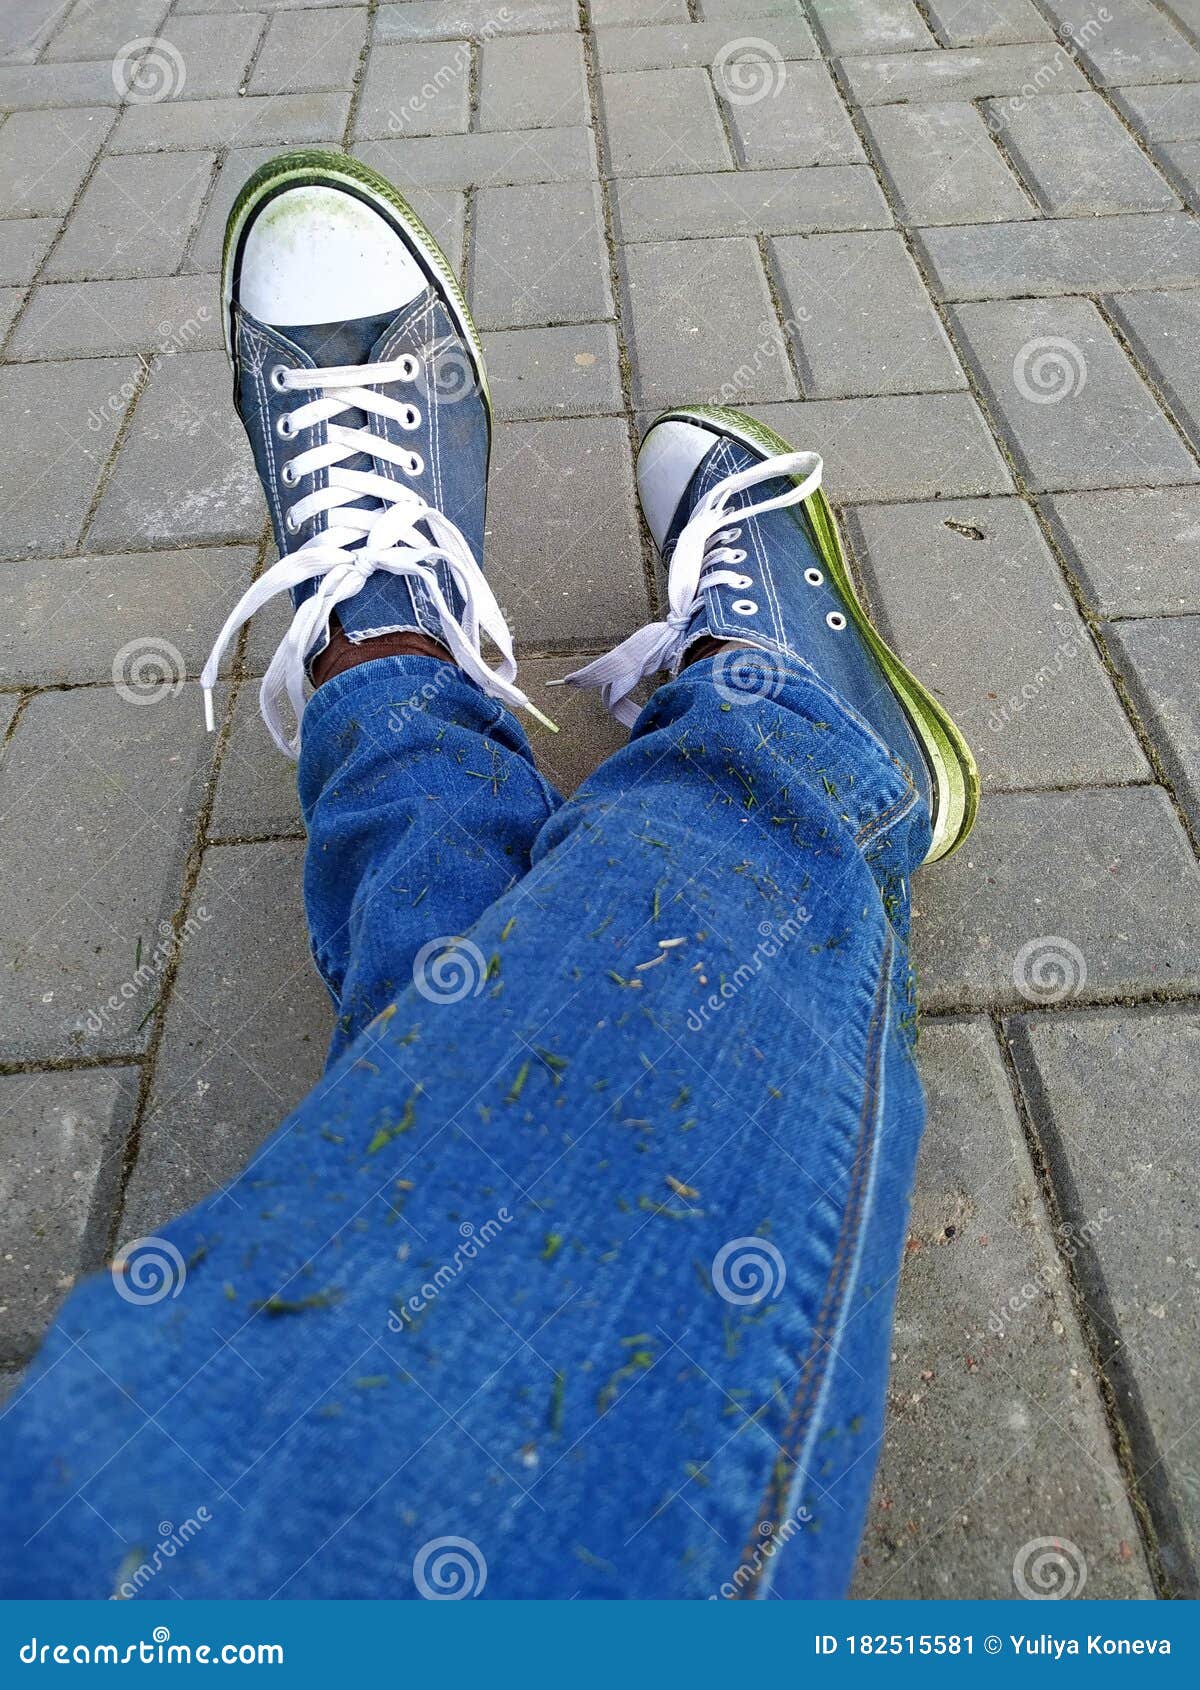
(283, 426)
(835, 620)
(742, 581)
(290, 523)
(412, 418)
(277, 378)
(412, 367)
(416, 464)
(288, 475)
(737, 557)
(744, 607)
(814, 577)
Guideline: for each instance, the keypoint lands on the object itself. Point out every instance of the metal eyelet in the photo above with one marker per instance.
(835, 620)
(283, 426)
(742, 581)
(737, 557)
(288, 475)
(814, 577)
(290, 523)
(412, 367)
(416, 464)
(276, 377)
(744, 607)
(412, 418)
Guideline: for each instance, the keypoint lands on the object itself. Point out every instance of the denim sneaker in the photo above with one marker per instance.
(359, 376)
(754, 557)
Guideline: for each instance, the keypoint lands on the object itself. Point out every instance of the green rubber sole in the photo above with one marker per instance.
(955, 781)
(307, 166)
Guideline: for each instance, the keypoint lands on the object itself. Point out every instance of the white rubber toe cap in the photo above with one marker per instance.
(669, 457)
(318, 255)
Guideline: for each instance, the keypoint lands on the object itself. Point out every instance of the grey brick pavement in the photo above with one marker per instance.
(944, 244)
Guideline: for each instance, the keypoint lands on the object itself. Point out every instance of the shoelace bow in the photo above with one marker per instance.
(702, 547)
(360, 540)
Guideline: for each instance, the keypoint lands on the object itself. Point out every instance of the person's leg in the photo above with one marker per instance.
(585, 1276)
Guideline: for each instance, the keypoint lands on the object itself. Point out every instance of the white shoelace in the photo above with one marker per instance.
(704, 544)
(361, 540)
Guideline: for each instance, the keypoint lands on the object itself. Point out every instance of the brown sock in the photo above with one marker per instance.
(708, 647)
(342, 653)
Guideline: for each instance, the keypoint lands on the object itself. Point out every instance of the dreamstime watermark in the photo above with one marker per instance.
(456, 67)
(401, 712)
(1049, 1569)
(148, 669)
(773, 938)
(148, 70)
(773, 1539)
(747, 1271)
(1048, 969)
(748, 70)
(171, 1539)
(449, 969)
(1000, 111)
(771, 344)
(1070, 1239)
(447, 1569)
(746, 674)
(148, 1269)
(474, 1241)
(1049, 369)
(169, 338)
(448, 374)
(147, 970)
(1071, 642)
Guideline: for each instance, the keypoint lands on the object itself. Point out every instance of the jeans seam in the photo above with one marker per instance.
(813, 1374)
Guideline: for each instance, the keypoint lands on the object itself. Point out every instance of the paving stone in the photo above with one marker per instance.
(550, 94)
(1074, 410)
(1072, 255)
(91, 319)
(1090, 892)
(23, 244)
(62, 620)
(1162, 114)
(1135, 551)
(563, 550)
(1114, 1090)
(256, 793)
(100, 32)
(1182, 162)
(587, 734)
(215, 54)
(801, 122)
(972, 599)
(1136, 43)
(185, 474)
(30, 87)
(25, 26)
(844, 343)
(606, 12)
(1162, 329)
(307, 51)
(434, 20)
(987, 23)
(418, 89)
(538, 255)
(737, 9)
(1080, 159)
(60, 1144)
(10, 305)
(572, 371)
(99, 795)
(664, 46)
(245, 1036)
(134, 219)
(960, 73)
(483, 161)
(1160, 659)
(45, 157)
(66, 416)
(925, 446)
(677, 291)
(995, 1421)
(662, 123)
(942, 165)
(751, 202)
(282, 120)
(870, 26)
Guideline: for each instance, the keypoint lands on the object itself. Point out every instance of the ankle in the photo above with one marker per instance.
(342, 653)
(709, 647)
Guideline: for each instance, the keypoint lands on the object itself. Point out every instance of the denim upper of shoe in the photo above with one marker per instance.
(788, 602)
(452, 438)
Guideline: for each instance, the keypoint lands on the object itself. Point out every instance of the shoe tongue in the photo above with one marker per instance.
(345, 343)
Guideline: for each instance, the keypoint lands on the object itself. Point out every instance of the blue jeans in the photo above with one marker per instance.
(574, 1275)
